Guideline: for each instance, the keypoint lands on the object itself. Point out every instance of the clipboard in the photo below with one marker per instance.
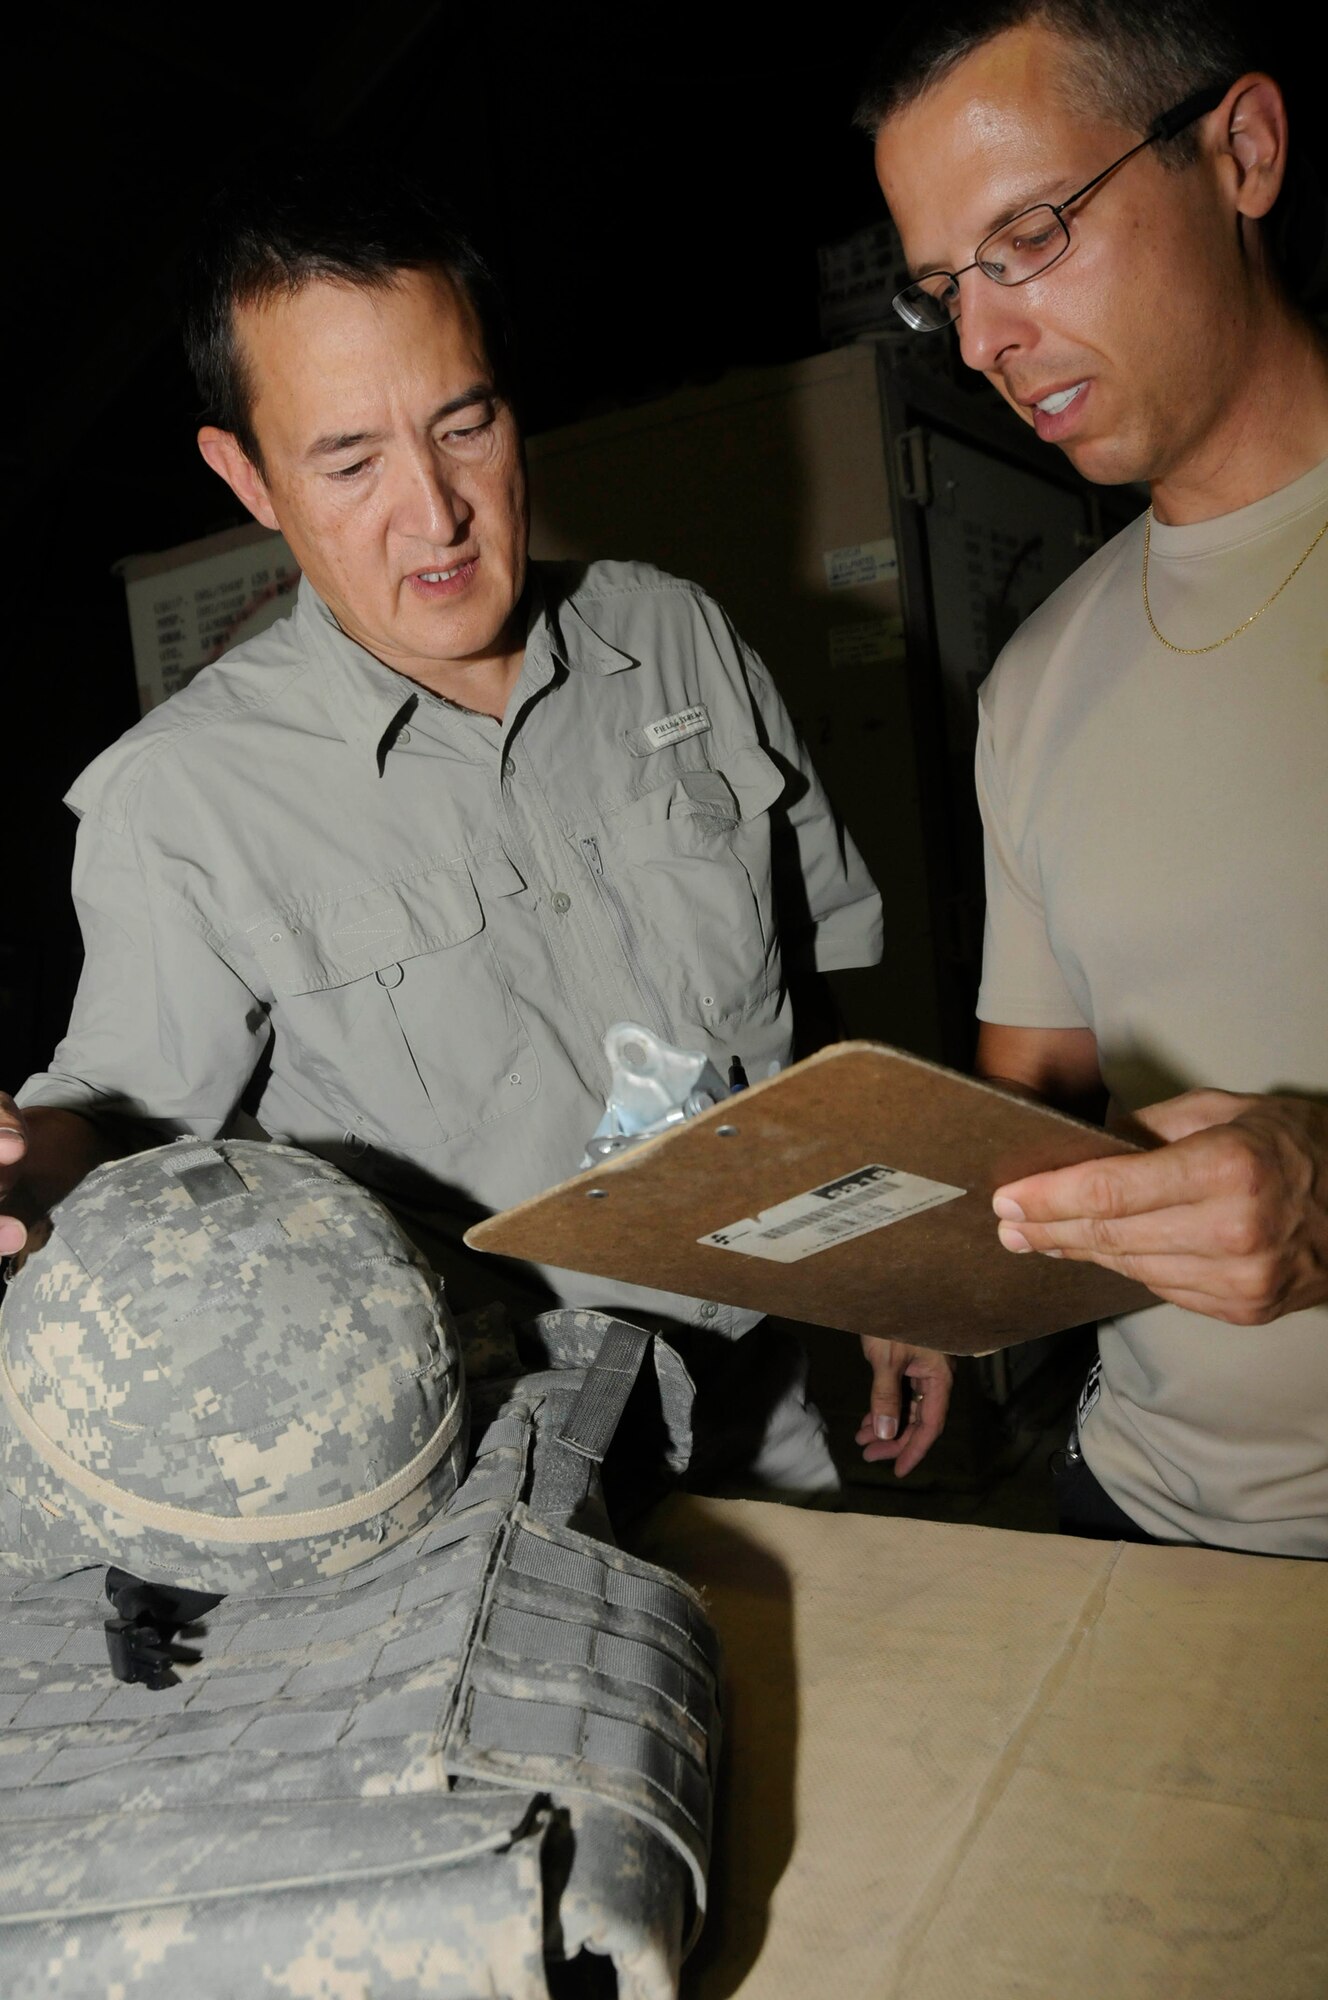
(853, 1190)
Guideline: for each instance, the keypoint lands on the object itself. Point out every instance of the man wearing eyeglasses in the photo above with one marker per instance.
(1084, 190)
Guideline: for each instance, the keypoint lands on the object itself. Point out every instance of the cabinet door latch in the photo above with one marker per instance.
(912, 466)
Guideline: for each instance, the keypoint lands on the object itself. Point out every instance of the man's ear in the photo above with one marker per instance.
(229, 460)
(1253, 125)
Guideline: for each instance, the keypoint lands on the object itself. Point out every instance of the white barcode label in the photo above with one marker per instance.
(872, 1197)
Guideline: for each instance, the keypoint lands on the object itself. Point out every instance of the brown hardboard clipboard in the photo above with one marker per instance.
(937, 1275)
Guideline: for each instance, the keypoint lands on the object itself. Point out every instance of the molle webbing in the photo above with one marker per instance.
(306, 1769)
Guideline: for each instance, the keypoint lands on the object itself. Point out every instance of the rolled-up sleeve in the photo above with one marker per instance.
(162, 1030)
(830, 909)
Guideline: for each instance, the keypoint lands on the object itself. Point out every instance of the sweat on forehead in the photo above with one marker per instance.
(1125, 60)
(992, 137)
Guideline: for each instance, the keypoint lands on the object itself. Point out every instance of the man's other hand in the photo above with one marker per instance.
(887, 1431)
(1229, 1217)
(43, 1153)
(13, 1154)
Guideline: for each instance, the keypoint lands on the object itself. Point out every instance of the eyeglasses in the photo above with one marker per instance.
(1031, 242)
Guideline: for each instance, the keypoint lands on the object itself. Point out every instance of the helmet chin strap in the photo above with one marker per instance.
(140, 1638)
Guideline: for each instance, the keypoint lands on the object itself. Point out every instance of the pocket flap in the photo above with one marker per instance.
(338, 942)
(703, 795)
(495, 875)
(754, 778)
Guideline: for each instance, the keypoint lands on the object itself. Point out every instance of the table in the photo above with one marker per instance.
(966, 1762)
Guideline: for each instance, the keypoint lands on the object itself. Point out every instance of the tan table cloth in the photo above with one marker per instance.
(963, 1762)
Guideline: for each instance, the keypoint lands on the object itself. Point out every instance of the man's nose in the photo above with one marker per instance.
(428, 506)
(993, 319)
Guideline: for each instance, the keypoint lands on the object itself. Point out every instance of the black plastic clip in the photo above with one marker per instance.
(140, 1639)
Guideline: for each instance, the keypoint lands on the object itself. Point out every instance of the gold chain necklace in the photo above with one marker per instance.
(1245, 623)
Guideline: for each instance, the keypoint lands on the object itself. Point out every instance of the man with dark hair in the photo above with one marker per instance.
(273, 232)
(384, 876)
(1083, 189)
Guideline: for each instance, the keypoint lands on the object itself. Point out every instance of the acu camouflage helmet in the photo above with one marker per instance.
(226, 1370)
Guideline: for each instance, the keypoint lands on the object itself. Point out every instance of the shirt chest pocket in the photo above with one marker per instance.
(391, 1008)
(692, 862)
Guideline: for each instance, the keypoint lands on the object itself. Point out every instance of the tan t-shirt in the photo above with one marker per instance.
(1157, 870)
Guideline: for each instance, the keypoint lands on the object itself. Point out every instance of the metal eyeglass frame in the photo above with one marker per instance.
(1168, 125)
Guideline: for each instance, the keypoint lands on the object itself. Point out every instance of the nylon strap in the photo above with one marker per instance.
(227, 1529)
(595, 1415)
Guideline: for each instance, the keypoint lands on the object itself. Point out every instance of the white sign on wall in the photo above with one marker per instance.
(189, 605)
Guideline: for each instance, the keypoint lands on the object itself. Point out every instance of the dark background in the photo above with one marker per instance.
(651, 185)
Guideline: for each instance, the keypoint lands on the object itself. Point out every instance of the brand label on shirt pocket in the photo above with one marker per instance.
(673, 728)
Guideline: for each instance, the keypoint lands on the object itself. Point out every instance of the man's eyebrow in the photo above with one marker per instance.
(333, 443)
(478, 392)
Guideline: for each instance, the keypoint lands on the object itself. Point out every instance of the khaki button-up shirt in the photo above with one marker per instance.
(395, 931)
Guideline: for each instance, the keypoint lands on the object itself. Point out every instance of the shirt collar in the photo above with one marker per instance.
(572, 639)
(366, 699)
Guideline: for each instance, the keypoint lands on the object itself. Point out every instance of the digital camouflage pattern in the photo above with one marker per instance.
(238, 1331)
(488, 1751)
(435, 1747)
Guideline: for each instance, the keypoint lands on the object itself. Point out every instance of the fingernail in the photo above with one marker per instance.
(885, 1427)
(1013, 1239)
(12, 1238)
(1008, 1211)
(1053, 1253)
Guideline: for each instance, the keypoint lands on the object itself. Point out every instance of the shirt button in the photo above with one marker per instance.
(560, 903)
(509, 768)
(390, 975)
(709, 1309)
(403, 736)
